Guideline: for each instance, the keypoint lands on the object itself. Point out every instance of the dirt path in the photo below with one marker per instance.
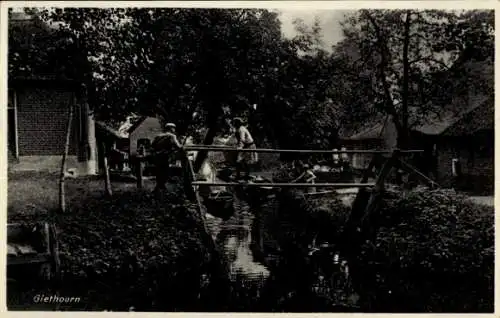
(484, 200)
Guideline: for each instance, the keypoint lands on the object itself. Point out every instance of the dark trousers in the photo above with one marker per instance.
(161, 177)
(161, 172)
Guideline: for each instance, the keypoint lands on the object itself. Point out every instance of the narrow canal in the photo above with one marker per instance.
(243, 235)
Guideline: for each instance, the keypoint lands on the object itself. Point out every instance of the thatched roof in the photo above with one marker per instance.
(108, 130)
(438, 125)
(373, 132)
(482, 117)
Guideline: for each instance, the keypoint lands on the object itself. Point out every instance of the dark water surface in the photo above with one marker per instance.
(238, 237)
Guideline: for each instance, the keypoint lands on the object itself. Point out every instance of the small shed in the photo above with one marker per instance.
(142, 132)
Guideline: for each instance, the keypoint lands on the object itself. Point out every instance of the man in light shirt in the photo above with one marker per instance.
(165, 147)
(244, 141)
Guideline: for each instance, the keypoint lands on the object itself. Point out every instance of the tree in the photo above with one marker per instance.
(402, 56)
(178, 62)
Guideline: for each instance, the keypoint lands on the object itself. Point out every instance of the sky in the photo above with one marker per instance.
(329, 22)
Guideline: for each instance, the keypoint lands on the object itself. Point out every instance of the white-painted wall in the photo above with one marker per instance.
(149, 129)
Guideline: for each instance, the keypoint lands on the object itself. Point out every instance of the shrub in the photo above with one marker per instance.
(134, 250)
(433, 252)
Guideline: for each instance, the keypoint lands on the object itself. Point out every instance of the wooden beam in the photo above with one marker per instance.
(139, 172)
(311, 151)
(284, 185)
(16, 127)
(410, 169)
(375, 198)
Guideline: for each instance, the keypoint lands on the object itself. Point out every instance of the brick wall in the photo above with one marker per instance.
(42, 118)
(479, 174)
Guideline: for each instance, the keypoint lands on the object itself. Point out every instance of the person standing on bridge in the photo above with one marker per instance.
(244, 141)
(165, 148)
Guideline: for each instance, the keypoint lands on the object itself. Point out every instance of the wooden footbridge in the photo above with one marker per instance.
(366, 203)
(393, 161)
(358, 228)
(369, 193)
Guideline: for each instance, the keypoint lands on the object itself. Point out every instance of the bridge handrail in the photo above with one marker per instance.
(269, 150)
(281, 185)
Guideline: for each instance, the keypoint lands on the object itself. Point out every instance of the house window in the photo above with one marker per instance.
(143, 145)
(12, 124)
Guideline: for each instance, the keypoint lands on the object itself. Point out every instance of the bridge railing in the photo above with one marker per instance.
(309, 151)
(141, 159)
(293, 185)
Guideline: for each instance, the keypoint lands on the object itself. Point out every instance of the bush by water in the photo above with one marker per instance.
(433, 250)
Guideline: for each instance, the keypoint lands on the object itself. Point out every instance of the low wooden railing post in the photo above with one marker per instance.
(139, 171)
(107, 179)
(188, 177)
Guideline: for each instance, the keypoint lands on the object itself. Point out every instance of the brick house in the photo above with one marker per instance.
(38, 111)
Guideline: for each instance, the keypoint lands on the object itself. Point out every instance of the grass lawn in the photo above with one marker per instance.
(38, 192)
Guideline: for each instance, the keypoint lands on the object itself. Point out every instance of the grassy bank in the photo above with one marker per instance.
(130, 250)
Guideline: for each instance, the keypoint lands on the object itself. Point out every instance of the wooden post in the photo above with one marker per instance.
(107, 180)
(355, 230)
(54, 251)
(139, 171)
(380, 185)
(189, 176)
(62, 196)
(409, 168)
(370, 167)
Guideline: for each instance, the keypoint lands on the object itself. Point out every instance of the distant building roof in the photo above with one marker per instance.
(132, 124)
(478, 115)
(481, 117)
(438, 125)
(109, 130)
(372, 132)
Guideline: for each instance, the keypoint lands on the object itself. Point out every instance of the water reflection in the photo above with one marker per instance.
(249, 240)
(235, 236)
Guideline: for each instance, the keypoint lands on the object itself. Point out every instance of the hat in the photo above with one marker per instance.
(170, 125)
(237, 120)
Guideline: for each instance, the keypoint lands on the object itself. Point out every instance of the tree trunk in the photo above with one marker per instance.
(404, 133)
(107, 180)
(212, 94)
(388, 104)
(62, 197)
(209, 139)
